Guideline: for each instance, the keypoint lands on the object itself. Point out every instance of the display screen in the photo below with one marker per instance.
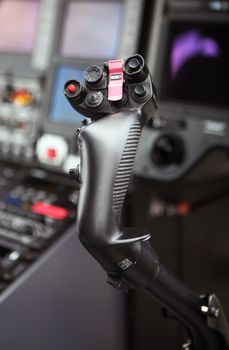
(18, 19)
(60, 109)
(197, 64)
(91, 29)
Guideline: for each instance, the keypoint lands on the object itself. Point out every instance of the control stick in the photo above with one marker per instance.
(118, 98)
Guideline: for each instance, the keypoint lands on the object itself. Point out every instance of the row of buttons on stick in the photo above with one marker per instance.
(111, 86)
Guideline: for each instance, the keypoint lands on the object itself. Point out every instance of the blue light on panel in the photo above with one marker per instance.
(60, 110)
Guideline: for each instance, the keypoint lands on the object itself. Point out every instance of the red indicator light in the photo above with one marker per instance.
(52, 211)
(22, 97)
(72, 88)
(183, 208)
(51, 153)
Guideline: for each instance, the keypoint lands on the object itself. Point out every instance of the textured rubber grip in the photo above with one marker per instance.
(123, 174)
(108, 148)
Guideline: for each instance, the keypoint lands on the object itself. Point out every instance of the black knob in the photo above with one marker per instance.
(140, 93)
(135, 69)
(134, 64)
(94, 99)
(93, 74)
(168, 150)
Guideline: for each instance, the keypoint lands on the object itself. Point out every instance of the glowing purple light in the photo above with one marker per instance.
(210, 48)
(189, 45)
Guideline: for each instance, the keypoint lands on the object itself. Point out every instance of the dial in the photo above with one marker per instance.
(93, 74)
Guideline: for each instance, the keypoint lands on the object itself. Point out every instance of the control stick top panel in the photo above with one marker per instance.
(115, 86)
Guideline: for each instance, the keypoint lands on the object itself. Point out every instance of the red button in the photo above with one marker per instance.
(72, 88)
(52, 211)
(51, 153)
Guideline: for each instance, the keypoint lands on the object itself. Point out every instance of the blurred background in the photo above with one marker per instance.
(53, 295)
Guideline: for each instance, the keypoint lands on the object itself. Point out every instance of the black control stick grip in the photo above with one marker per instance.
(109, 89)
(108, 149)
(119, 97)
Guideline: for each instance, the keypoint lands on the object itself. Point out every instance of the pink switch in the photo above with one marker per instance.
(116, 79)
